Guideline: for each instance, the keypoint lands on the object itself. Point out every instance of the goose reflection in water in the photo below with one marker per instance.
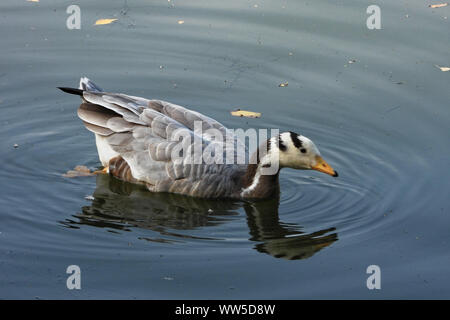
(120, 206)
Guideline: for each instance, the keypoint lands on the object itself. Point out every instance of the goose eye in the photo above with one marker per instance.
(303, 150)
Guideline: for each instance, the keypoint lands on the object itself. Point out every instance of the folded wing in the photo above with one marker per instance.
(160, 140)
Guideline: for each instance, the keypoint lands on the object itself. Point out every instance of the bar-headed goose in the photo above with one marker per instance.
(138, 140)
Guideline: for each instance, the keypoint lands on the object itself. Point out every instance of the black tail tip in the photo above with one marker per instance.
(78, 92)
(335, 174)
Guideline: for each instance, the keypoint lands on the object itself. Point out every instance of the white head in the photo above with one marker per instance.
(298, 152)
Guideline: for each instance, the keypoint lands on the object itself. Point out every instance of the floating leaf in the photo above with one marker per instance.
(243, 113)
(443, 68)
(284, 84)
(180, 21)
(439, 5)
(104, 21)
(33, 0)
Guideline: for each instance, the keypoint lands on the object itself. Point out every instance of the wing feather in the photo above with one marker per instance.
(97, 129)
(98, 99)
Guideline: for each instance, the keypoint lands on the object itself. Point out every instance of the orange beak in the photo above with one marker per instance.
(324, 167)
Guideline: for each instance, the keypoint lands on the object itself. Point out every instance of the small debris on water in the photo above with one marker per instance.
(104, 21)
(444, 69)
(89, 198)
(283, 84)
(439, 5)
(15, 145)
(243, 113)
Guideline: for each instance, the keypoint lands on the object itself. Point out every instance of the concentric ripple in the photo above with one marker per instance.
(373, 102)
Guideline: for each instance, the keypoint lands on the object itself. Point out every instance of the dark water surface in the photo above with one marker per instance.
(382, 121)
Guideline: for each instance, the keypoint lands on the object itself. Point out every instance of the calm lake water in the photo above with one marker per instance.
(372, 100)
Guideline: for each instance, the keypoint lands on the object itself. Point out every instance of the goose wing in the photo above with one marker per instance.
(146, 133)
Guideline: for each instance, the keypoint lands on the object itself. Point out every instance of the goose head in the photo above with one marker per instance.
(298, 152)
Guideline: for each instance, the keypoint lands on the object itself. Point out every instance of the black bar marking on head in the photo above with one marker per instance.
(295, 140)
(281, 145)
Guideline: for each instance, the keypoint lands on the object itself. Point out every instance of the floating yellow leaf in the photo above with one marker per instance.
(284, 84)
(180, 21)
(104, 21)
(243, 113)
(443, 68)
(440, 5)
